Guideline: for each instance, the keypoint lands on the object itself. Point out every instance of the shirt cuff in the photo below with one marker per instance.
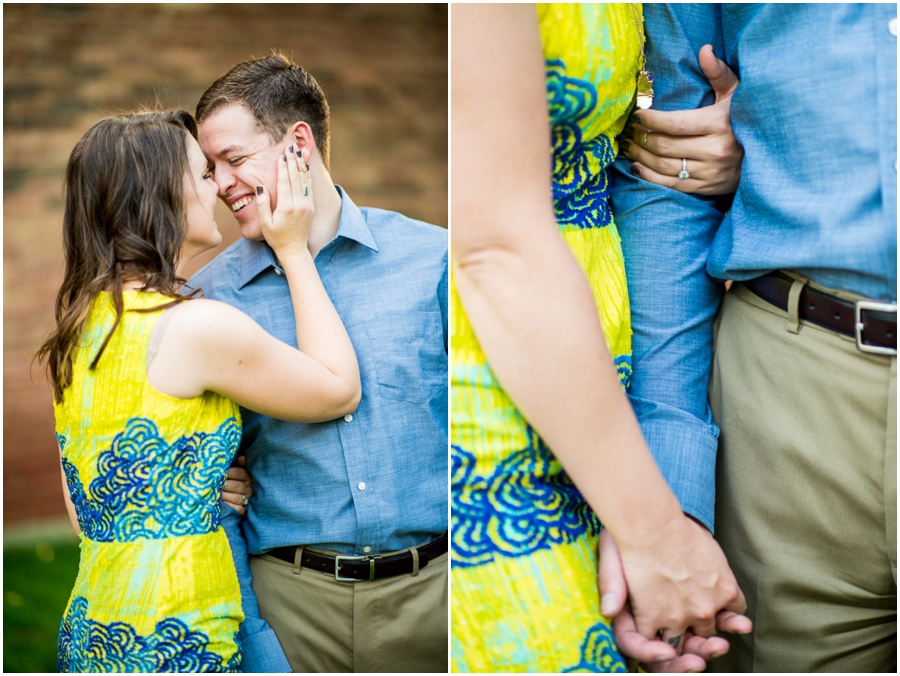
(686, 456)
(260, 650)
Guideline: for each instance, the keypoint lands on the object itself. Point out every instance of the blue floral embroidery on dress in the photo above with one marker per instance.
(527, 504)
(86, 645)
(570, 99)
(623, 369)
(580, 182)
(148, 488)
(599, 653)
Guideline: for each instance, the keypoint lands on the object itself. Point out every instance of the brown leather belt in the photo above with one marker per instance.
(872, 324)
(370, 567)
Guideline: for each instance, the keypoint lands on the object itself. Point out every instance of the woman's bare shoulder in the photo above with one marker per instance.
(207, 317)
(207, 308)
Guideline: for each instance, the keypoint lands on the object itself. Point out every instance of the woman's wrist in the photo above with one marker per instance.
(650, 524)
(292, 251)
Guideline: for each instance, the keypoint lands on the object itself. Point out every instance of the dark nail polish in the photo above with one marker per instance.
(259, 190)
(636, 118)
(299, 154)
(284, 157)
(290, 149)
(626, 146)
(307, 167)
(636, 170)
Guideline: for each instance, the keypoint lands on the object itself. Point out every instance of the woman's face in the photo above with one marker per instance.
(199, 203)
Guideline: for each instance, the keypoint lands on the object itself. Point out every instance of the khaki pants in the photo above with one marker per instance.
(806, 505)
(397, 624)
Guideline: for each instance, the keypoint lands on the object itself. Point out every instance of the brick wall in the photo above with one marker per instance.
(383, 69)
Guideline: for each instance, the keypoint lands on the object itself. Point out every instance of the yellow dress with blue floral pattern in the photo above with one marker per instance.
(524, 542)
(156, 589)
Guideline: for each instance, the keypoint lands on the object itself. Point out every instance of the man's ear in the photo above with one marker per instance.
(302, 136)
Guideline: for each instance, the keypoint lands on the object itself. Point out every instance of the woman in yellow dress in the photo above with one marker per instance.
(541, 356)
(147, 386)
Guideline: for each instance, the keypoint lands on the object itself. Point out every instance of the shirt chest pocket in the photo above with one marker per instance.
(408, 353)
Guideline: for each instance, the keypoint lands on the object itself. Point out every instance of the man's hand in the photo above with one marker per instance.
(237, 486)
(654, 654)
(661, 140)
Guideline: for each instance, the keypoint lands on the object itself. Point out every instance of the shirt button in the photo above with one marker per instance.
(367, 549)
(892, 26)
(348, 418)
(361, 485)
(278, 271)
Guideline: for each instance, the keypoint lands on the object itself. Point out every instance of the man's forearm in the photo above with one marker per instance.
(261, 651)
(666, 239)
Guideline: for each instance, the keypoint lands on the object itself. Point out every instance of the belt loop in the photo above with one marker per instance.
(298, 559)
(415, 557)
(793, 306)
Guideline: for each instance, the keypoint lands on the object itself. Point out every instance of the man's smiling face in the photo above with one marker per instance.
(243, 158)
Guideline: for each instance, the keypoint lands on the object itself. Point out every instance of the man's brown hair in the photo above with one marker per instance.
(278, 93)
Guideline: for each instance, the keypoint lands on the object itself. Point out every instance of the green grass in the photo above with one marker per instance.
(37, 581)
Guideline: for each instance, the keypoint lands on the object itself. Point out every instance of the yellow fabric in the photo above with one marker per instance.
(524, 570)
(156, 587)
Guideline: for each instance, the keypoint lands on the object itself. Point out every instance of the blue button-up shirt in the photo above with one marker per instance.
(816, 113)
(374, 481)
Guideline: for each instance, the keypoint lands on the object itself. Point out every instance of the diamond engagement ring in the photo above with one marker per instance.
(683, 174)
(245, 501)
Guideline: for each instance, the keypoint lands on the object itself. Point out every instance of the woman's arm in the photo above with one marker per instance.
(209, 345)
(524, 293)
(535, 317)
(320, 331)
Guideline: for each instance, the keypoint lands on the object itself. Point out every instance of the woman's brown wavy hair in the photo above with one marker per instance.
(124, 220)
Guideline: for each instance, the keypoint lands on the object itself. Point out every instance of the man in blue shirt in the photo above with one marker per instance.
(346, 531)
(802, 379)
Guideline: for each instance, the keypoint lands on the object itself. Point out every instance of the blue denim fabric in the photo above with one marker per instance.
(261, 652)
(816, 113)
(387, 276)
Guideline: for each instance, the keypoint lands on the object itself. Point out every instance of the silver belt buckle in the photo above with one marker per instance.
(872, 306)
(337, 567)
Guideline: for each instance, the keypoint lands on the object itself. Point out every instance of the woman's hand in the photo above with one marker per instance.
(679, 580)
(700, 141)
(238, 488)
(654, 654)
(286, 229)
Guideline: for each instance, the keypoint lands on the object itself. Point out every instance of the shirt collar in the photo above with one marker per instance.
(256, 256)
(353, 224)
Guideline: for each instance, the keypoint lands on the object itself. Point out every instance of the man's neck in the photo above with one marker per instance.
(327, 201)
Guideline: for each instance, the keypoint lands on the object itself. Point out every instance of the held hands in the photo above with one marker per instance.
(286, 229)
(237, 489)
(706, 589)
(659, 140)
